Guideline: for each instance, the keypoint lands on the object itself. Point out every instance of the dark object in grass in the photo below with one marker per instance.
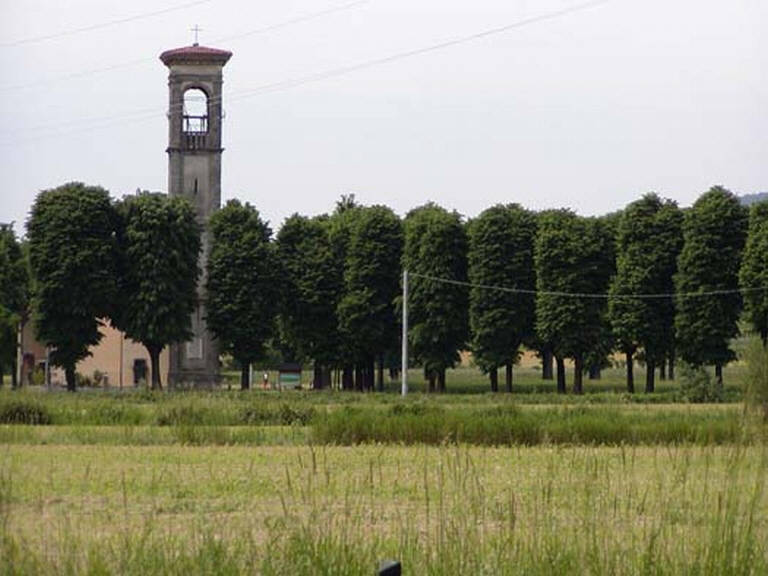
(389, 568)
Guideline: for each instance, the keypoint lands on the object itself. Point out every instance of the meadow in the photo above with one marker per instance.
(300, 482)
(442, 510)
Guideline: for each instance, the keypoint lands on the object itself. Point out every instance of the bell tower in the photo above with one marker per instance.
(194, 171)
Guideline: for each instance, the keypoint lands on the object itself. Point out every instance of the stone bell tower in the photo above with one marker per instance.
(194, 171)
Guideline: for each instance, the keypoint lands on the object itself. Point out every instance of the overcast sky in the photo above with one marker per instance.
(587, 110)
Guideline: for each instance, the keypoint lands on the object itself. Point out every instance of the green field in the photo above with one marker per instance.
(443, 510)
(469, 482)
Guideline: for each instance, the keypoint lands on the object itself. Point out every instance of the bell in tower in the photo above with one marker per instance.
(194, 171)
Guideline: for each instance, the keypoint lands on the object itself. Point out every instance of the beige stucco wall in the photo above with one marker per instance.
(114, 357)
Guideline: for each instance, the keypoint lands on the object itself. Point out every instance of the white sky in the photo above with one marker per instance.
(588, 111)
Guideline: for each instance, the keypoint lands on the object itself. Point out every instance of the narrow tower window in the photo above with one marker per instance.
(195, 111)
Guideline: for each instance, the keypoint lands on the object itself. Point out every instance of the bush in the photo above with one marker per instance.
(284, 414)
(299, 415)
(24, 412)
(416, 409)
(696, 385)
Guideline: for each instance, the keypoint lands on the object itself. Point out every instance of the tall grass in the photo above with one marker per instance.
(503, 426)
(101, 408)
(443, 512)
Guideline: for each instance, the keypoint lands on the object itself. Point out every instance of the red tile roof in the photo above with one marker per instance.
(195, 53)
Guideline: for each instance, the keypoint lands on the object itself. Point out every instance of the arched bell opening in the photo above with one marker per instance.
(195, 113)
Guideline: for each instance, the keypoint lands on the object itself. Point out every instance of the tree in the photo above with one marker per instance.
(72, 246)
(501, 254)
(570, 267)
(371, 284)
(310, 293)
(601, 263)
(435, 251)
(159, 245)
(340, 232)
(14, 299)
(753, 275)
(8, 324)
(648, 242)
(242, 284)
(708, 305)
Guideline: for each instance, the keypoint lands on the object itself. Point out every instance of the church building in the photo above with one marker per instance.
(195, 77)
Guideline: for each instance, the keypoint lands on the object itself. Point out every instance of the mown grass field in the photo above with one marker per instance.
(326, 482)
(442, 510)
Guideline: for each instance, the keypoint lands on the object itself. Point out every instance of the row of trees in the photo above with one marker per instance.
(653, 282)
(133, 263)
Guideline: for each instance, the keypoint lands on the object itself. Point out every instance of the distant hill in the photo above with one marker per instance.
(749, 199)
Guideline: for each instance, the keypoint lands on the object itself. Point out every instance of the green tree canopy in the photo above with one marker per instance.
(648, 241)
(714, 231)
(72, 243)
(436, 247)
(501, 243)
(242, 285)
(753, 275)
(310, 292)
(159, 242)
(14, 298)
(340, 232)
(570, 265)
(371, 284)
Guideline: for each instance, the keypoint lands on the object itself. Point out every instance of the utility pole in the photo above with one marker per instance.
(404, 360)
(19, 354)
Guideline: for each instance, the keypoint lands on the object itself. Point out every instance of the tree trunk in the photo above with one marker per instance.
(381, 374)
(370, 374)
(327, 377)
(546, 364)
(431, 381)
(69, 375)
(359, 378)
(560, 362)
(719, 379)
(578, 374)
(347, 378)
(154, 361)
(650, 374)
(317, 376)
(245, 375)
(595, 372)
(508, 376)
(671, 371)
(630, 373)
(14, 373)
(663, 370)
(441, 380)
(493, 374)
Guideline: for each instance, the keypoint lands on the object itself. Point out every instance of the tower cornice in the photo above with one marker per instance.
(195, 55)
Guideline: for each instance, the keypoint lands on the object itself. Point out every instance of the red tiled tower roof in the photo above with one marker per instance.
(195, 53)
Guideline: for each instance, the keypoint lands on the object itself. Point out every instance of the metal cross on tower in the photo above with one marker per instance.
(196, 29)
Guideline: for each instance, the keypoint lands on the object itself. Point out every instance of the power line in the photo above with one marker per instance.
(344, 70)
(107, 24)
(140, 61)
(292, 21)
(595, 296)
